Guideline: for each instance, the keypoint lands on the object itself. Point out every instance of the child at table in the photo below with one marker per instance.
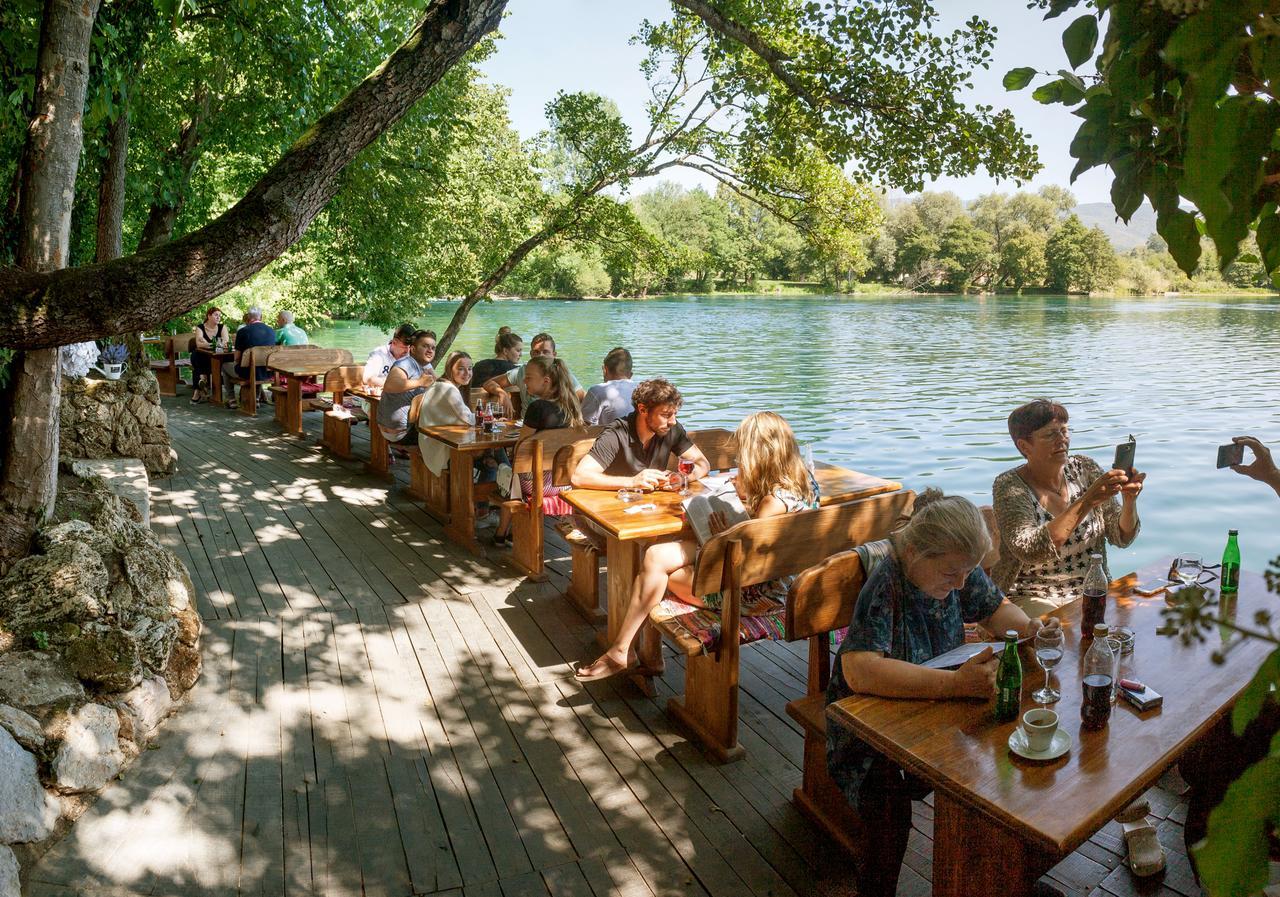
(772, 479)
(553, 405)
(912, 608)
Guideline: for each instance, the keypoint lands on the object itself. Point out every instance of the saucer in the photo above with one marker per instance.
(1060, 745)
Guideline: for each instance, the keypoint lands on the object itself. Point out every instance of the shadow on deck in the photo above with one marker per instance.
(384, 714)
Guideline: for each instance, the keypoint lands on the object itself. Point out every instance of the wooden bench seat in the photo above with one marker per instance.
(168, 370)
(751, 552)
(336, 430)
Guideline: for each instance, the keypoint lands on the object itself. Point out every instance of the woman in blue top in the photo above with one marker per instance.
(913, 607)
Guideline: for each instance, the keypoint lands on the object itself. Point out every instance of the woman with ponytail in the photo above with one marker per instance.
(555, 407)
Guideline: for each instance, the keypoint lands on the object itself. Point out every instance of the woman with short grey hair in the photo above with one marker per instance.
(912, 608)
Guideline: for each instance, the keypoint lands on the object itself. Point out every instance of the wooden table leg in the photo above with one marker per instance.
(293, 406)
(622, 568)
(974, 854)
(461, 528)
(215, 381)
(379, 461)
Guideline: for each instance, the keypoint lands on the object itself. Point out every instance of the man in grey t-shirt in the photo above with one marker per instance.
(606, 402)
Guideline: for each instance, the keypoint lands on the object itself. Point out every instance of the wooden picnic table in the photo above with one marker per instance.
(290, 415)
(464, 443)
(627, 534)
(216, 361)
(379, 457)
(1000, 822)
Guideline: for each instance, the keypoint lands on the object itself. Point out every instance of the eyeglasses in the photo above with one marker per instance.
(1054, 435)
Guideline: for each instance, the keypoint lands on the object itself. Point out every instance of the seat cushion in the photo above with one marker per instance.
(695, 627)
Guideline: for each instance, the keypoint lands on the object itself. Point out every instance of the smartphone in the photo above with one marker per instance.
(1151, 587)
(1124, 455)
(1232, 453)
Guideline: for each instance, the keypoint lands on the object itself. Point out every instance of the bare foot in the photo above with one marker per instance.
(602, 667)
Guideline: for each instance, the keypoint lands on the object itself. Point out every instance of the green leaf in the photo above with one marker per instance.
(1256, 693)
(1016, 79)
(1048, 93)
(1233, 857)
(1178, 228)
(1269, 242)
(1080, 39)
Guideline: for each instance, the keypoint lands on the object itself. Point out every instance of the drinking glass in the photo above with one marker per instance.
(1188, 567)
(686, 470)
(1117, 648)
(1048, 655)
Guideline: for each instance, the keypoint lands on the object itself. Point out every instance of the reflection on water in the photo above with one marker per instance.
(918, 388)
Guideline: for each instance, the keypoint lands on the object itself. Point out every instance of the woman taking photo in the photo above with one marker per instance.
(211, 335)
(772, 479)
(555, 407)
(912, 608)
(1055, 510)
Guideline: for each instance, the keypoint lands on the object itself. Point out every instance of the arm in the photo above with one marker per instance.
(590, 407)
(395, 382)
(701, 466)
(1263, 468)
(201, 342)
(870, 672)
(498, 388)
(1009, 616)
(428, 377)
(373, 371)
(589, 474)
(458, 407)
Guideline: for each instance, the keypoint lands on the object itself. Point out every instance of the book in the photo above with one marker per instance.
(957, 656)
(718, 495)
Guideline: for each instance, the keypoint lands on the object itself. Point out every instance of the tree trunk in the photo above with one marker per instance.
(138, 291)
(28, 478)
(110, 227)
(164, 214)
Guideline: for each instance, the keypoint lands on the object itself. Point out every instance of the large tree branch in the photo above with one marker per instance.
(136, 292)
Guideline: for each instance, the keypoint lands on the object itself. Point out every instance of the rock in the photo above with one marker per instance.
(126, 477)
(27, 813)
(50, 537)
(68, 584)
(90, 755)
(155, 639)
(189, 625)
(146, 708)
(9, 884)
(183, 670)
(106, 418)
(38, 683)
(107, 656)
(24, 727)
(149, 573)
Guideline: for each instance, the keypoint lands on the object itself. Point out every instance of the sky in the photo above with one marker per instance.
(553, 45)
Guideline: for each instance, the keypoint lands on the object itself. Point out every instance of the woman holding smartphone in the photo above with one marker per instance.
(1055, 510)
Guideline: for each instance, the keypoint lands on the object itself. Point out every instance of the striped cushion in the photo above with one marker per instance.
(763, 619)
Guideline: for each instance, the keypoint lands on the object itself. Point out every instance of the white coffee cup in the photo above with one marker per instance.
(1039, 725)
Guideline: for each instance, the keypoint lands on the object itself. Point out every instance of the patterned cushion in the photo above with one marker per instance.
(763, 619)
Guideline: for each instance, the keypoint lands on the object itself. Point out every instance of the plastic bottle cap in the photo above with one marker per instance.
(1011, 633)
(1101, 629)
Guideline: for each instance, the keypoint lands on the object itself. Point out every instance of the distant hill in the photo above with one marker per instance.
(1123, 237)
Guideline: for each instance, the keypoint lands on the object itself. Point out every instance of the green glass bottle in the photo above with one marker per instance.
(1231, 564)
(1009, 680)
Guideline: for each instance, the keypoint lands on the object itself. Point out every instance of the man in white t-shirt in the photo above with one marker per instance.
(383, 358)
(610, 400)
(501, 386)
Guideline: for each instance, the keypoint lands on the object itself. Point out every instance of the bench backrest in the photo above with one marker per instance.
(719, 445)
(552, 442)
(343, 378)
(315, 355)
(790, 543)
(567, 458)
(257, 356)
(821, 600)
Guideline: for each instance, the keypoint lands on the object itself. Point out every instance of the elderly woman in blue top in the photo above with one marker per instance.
(925, 585)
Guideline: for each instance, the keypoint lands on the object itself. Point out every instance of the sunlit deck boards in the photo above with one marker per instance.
(382, 713)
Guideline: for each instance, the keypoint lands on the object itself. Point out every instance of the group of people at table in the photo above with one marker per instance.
(923, 585)
(212, 337)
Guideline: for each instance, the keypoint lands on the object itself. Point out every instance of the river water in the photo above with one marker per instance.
(918, 388)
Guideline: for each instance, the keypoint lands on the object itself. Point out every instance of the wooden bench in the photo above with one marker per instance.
(757, 551)
(531, 456)
(336, 432)
(254, 358)
(168, 373)
(316, 361)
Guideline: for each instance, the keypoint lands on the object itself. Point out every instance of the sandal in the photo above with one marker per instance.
(501, 539)
(1135, 812)
(611, 668)
(1146, 856)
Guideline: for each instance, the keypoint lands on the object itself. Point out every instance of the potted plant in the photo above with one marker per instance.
(111, 358)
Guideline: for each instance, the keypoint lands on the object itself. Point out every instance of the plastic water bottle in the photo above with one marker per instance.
(1099, 676)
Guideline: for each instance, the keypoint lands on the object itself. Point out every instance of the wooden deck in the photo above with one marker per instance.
(383, 714)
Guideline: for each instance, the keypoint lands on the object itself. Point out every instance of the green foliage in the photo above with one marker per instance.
(1079, 259)
(1184, 106)
(41, 639)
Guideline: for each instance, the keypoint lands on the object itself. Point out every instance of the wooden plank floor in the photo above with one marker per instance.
(383, 714)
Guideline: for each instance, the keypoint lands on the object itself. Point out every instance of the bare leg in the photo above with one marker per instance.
(661, 561)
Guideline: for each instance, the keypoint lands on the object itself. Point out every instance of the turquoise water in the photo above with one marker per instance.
(918, 388)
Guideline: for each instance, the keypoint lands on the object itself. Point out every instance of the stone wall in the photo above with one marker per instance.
(99, 639)
(114, 419)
